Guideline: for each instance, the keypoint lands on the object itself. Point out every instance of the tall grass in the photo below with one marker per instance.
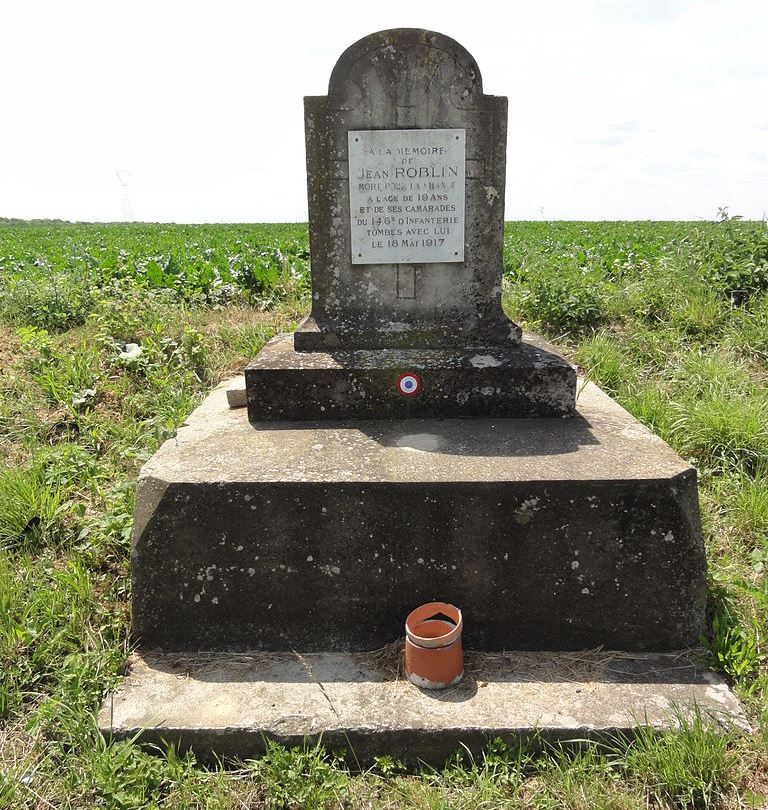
(31, 509)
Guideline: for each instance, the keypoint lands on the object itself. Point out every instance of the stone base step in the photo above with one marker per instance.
(231, 703)
(525, 380)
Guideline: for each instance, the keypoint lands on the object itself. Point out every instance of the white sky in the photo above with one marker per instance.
(618, 109)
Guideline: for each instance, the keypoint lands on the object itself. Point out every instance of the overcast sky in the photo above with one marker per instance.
(618, 109)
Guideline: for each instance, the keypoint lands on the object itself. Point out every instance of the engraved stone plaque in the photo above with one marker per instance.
(406, 193)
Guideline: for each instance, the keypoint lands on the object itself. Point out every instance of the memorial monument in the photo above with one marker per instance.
(408, 444)
(406, 170)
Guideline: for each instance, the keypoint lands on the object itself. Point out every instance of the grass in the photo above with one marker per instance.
(690, 768)
(671, 318)
(30, 508)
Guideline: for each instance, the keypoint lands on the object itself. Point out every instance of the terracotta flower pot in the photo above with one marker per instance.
(434, 658)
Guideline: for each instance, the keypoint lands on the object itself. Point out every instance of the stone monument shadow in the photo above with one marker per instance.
(495, 438)
(482, 669)
(501, 438)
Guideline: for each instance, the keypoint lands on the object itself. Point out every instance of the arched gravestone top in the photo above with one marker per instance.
(408, 62)
(406, 162)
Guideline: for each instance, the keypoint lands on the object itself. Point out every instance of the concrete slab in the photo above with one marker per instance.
(548, 533)
(217, 444)
(229, 703)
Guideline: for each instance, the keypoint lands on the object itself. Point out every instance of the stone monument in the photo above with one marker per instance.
(379, 467)
(406, 164)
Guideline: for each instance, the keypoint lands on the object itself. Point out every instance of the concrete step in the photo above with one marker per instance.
(231, 703)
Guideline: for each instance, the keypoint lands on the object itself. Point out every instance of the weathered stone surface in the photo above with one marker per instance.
(405, 79)
(231, 703)
(525, 380)
(548, 533)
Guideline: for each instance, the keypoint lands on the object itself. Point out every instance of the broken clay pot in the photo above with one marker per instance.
(434, 658)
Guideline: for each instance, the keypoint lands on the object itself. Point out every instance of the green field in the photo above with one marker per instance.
(670, 318)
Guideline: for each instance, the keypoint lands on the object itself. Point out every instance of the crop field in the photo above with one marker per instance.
(111, 334)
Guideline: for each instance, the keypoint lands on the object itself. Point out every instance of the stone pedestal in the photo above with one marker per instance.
(550, 534)
(269, 556)
(527, 380)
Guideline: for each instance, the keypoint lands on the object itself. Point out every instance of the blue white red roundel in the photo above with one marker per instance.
(408, 385)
